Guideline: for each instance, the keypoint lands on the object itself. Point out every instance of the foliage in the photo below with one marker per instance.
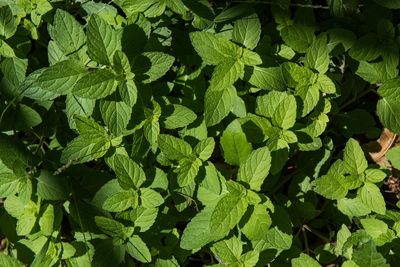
(180, 132)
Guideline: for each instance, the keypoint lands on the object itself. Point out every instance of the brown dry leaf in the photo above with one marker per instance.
(377, 149)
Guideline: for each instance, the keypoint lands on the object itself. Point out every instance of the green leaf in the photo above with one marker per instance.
(96, 84)
(228, 250)
(46, 220)
(366, 48)
(6, 260)
(173, 147)
(393, 155)
(353, 207)
(255, 168)
(285, 113)
(116, 115)
(110, 227)
(277, 239)
(138, 249)
(317, 56)
(227, 213)
(304, 260)
(8, 23)
(130, 175)
(67, 32)
(150, 198)
(299, 37)
(247, 31)
(218, 104)
(388, 110)
(121, 201)
(102, 40)
(90, 129)
(226, 74)
(52, 187)
(268, 78)
(181, 116)
(332, 186)
(8, 184)
(82, 150)
(188, 170)
(390, 89)
(234, 144)
(159, 63)
(266, 105)
(205, 148)
(213, 49)
(371, 196)
(61, 77)
(258, 224)
(367, 255)
(197, 233)
(78, 106)
(354, 158)
(310, 96)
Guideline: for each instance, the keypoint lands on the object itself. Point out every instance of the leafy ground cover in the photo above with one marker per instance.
(191, 133)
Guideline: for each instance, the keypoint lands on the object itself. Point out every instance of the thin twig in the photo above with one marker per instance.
(317, 233)
(356, 97)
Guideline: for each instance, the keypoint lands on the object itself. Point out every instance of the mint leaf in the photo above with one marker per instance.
(255, 168)
(387, 110)
(173, 147)
(234, 144)
(354, 158)
(218, 104)
(371, 196)
(317, 56)
(227, 213)
(67, 32)
(95, 85)
(102, 40)
(138, 249)
(247, 31)
(213, 49)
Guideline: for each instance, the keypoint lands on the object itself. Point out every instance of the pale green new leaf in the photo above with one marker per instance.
(247, 31)
(354, 158)
(268, 78)
(372, 197)
(331, 186)
(228, 250)
(226, 74)
(205, 148)
(305, 260)
(255, 168)
(285, 113)
(102, 40)
(181, 116)
(234, 144)
(8, 23)
(95, 85)
(258, 224)
(188, 170)
(46, 220)
(218, 104)
(317, 56)
(150, 198)
(6, 260)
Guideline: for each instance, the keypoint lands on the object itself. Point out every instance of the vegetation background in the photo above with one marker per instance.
(192, 132)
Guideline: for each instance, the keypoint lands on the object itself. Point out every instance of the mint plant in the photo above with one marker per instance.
(187, 133)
